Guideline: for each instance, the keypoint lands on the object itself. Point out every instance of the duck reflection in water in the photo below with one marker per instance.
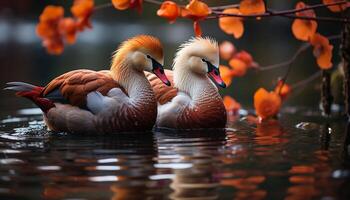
(190, 157)
(113, 167)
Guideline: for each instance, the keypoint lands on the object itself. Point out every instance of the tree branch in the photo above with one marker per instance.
(301, 49)
(306, 81)
(218, 14)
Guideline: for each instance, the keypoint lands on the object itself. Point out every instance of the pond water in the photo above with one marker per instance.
(298, 157)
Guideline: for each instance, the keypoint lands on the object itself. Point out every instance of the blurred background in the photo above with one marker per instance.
(270, 41)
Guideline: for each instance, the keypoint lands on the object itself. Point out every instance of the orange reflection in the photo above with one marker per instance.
(301, 192)
(301, 169)
(269, 133)
(247, 187)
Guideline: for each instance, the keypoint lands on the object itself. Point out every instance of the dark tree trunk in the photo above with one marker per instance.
(326, 95)
(345, 54)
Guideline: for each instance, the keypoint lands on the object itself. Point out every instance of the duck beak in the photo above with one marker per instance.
(215, 74)
(158, 70)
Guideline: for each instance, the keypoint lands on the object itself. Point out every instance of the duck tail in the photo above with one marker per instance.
(32, 93)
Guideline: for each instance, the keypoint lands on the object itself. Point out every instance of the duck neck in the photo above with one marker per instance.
(135, 83)
(200, 88)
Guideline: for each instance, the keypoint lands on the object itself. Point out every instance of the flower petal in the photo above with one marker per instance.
(267, 104)
(304, 29)
(231, 105)
(197, 29)
(249, 7)
(232, 25)
(336, 8)
(198, 9)
(121, 4)
(283, 89)
(238, 66)
(226, 74)
(169, 10)
(226, 49)
(322, 51)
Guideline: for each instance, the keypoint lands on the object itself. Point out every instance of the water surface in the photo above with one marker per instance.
(285, 159)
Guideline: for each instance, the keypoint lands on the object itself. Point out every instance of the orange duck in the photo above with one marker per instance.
(193, 101)
(116, 100)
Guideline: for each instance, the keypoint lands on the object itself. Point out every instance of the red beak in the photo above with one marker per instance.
(215, 74)
(159, 72)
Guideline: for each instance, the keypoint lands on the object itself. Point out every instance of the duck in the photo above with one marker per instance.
(192, 101)
(108, 101)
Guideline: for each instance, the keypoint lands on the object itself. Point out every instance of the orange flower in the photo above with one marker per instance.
(47, 29)
(322, 51)
(336, 8)
(227, 49)
(226, 74)
(68, 29)
(121, 4)
(239, 67)
(125, 4)
(51, 14)
(249, 7)
(196, 10)
(304, 29)
(169, 10)
(54, 46)
(246, 58)
(231, 105)
(82, 10)
(284, 91)
(232, 25)
(267, 104)
(197, 29)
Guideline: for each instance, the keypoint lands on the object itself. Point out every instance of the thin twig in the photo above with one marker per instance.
(154, 2)
(287, 13)
(107, 5)
(103, 6)
(224, 7)
(218, 14)
(301, 49)
(321, 5)
(329, 19)
(304, 82)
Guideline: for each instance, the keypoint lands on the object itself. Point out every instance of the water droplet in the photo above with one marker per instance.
(307, 126)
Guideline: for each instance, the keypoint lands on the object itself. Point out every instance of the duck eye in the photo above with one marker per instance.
(203, 60)
(148, 56)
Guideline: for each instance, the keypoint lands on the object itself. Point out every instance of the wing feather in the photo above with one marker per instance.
(75, 85)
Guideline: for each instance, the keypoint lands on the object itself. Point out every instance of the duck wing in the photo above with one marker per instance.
(74, 86)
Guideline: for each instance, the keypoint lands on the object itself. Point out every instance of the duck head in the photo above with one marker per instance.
(142, 53)
(201, 57)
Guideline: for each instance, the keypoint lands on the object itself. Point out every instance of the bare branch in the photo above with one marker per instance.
(154, 2)
(306, 81)
(301, 49)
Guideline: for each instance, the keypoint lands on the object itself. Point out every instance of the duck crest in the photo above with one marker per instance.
(150, 43)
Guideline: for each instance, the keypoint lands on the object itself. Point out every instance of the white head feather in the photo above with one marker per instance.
(188, 65)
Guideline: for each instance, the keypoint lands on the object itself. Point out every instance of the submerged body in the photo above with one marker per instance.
(116, 100)
(194, 101)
